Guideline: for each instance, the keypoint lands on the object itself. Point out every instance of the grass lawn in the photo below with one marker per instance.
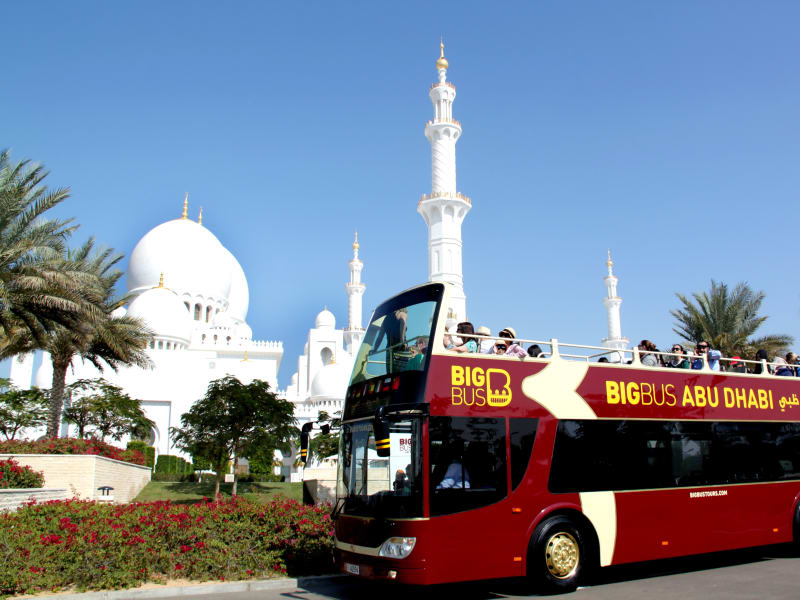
(189, 493)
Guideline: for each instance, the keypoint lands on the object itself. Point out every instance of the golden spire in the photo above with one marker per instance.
(609, 262)
(356, 245)
(200, 216)
(442, 62)
(160, 281)
(245, 356)
(185, 206)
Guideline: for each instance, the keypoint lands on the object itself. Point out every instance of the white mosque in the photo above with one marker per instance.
(193, 294)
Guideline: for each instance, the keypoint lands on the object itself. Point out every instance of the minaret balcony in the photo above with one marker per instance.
(444, 196)
(442, 84)
(444, 122)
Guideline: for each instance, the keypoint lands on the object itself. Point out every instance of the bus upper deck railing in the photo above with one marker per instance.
(632, 356)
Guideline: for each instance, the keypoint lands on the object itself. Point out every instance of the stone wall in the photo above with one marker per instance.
(13, 499)
(81, 475)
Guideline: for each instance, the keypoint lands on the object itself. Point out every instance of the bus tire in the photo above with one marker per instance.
(558, 556)
(796, 525)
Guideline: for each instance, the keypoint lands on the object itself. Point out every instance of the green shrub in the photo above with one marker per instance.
(16, 476)
(182, 477)
(95, 546)
(148, 451)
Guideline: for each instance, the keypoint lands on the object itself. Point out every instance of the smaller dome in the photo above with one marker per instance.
(325, 320)
(120, 311)
(164, 313)
(331, 381)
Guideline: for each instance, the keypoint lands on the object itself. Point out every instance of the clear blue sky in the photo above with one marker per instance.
(669, 132)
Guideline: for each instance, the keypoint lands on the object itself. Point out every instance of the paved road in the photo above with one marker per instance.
(772, 573)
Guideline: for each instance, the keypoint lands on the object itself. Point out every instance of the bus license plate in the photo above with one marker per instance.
(351, 568)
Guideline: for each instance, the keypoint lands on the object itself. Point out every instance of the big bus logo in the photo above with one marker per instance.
(474, 386)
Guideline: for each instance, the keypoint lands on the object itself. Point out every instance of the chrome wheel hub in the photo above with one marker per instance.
(562, 555)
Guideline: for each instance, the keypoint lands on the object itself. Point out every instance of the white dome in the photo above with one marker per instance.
(331, 381)
(120, 311)
(192, 260)
(325, 320)
(223, 320)
(239, 295)
(164, 313)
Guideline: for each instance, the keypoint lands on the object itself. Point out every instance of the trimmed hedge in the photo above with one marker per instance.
(16, 476)
(85, 545)
(168, 463)
(148, 451)
(71, 446)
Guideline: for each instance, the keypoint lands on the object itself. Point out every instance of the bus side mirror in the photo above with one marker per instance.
(304, 435)
(325, 429)
(381, 427)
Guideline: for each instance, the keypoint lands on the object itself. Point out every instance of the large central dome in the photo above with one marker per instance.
(191, 258)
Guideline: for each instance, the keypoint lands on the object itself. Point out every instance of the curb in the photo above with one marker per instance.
(200, 589)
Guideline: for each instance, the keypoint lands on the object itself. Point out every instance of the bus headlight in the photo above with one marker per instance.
(397, 547)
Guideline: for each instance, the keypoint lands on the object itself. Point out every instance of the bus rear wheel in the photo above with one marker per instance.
(557, 556)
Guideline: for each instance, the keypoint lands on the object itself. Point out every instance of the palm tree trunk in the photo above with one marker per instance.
(57, 397)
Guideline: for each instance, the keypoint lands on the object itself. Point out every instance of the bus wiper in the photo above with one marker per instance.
(337, 508)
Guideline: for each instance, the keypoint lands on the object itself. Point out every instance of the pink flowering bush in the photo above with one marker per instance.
(85, 545)
(16, 476)
(71, 446)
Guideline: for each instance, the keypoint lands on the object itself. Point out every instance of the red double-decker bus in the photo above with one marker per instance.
(457, 467)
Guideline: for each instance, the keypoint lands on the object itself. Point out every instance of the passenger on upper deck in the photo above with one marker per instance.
(646, 348)
(513, 349)
(791, 358)
(713, 356)
(782, 369)
(468, 344)
(680, 361)
(535, 351)
(485, 346)
(418, 354)
(761, 355)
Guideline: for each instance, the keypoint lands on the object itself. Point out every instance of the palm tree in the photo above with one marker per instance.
(37, 290)
(100, 338)
(727, 320)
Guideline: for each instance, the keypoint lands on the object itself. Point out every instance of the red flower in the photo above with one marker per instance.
(185, 548)
(179, 567)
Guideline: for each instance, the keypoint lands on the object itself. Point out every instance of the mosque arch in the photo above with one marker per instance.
(197, 310)
(326, 354)
(208, 313)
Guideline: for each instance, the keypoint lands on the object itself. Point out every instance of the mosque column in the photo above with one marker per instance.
(444, 208)
(612, 303)
(354, 332)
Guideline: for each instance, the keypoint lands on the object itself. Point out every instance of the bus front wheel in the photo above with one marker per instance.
(557, 556)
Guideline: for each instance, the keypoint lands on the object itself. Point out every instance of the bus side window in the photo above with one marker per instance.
(522, 434)
(468, 463)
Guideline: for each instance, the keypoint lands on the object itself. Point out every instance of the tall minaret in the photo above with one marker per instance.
(444, 208)
(612, 302)
(355, 290)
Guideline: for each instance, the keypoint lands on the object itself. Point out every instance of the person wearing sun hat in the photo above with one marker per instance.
(484, 345)
(513, 349)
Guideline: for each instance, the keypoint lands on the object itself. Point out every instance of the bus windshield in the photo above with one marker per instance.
(398, 336)
(375, 486)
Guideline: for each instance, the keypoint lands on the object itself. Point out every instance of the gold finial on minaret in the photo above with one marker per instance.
(609, 262)
(356, 245)
(442, 62)
(200, 216)
(185, 206)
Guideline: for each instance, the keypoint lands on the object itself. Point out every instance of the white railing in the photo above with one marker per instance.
(632, 356)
